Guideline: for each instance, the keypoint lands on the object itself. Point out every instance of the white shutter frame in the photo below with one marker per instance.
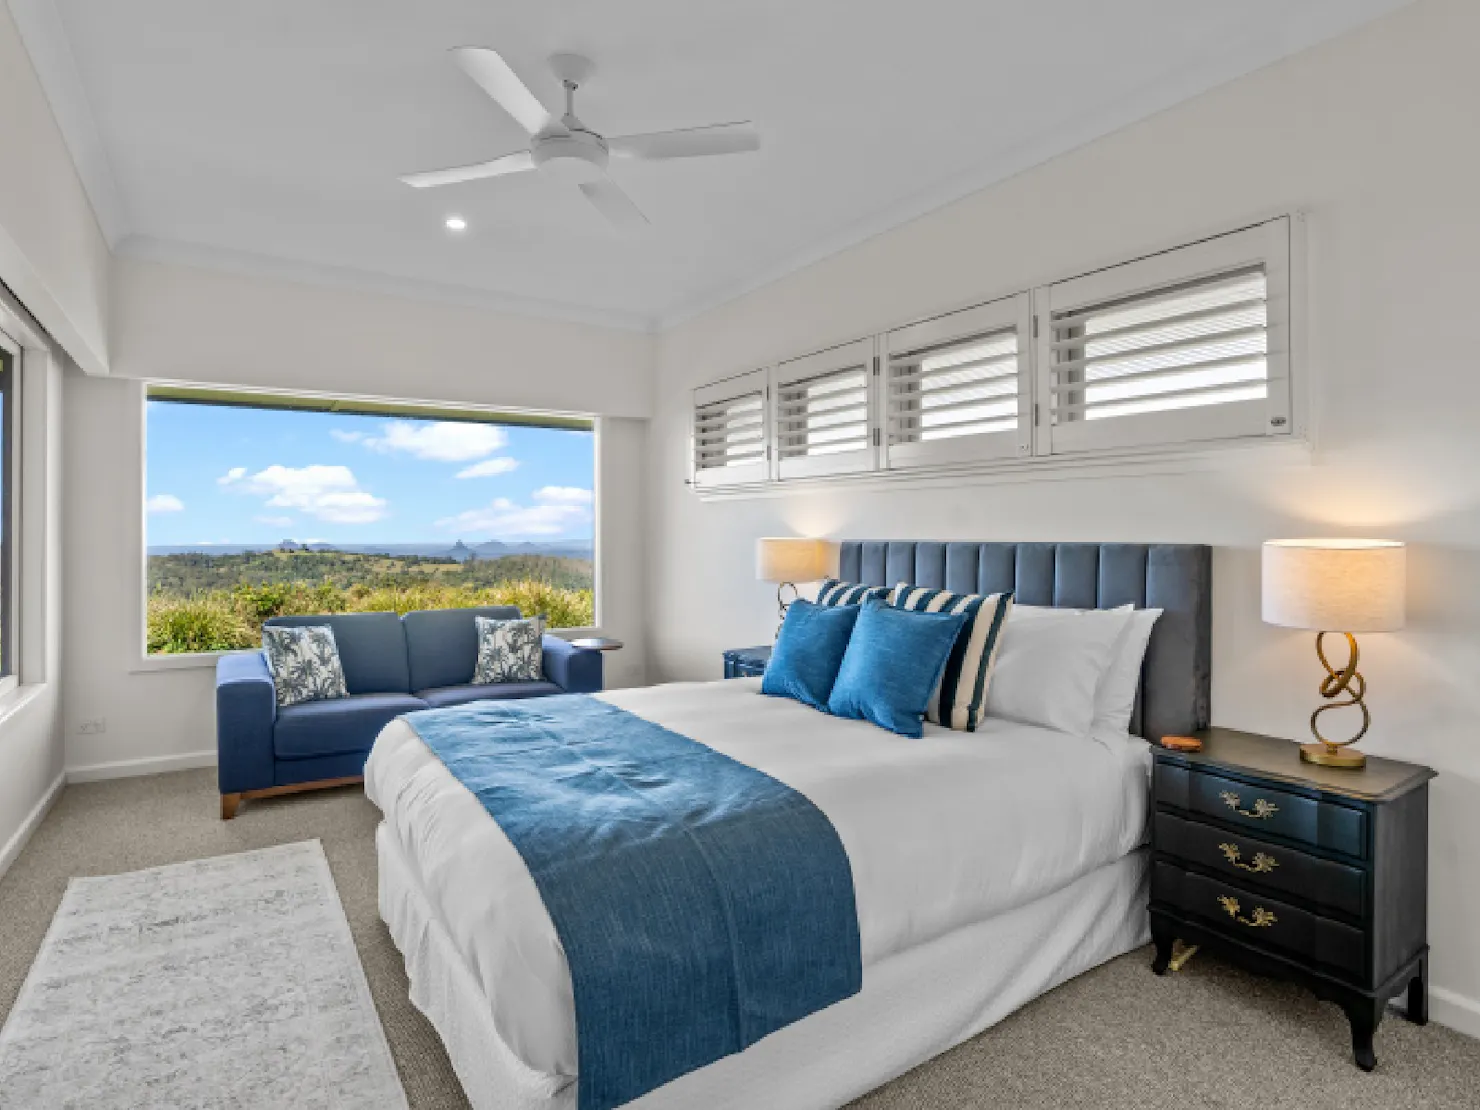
(858, 354)
(751, 384)
(1266, 246)
(1008, 314)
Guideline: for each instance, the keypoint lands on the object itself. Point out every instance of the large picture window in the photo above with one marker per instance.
(258, 506)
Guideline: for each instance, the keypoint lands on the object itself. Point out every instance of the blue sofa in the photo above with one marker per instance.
(392, 665)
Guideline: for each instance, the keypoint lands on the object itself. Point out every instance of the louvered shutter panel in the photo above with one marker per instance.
(1187, 345)
(824, 412)
(956, 388)
(730, 431)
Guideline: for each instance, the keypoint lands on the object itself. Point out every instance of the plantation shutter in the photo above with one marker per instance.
(957, 387)
(1188, 345)
(824, 412)
(729, 437)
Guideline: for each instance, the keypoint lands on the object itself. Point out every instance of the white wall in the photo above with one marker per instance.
(1373, 136)
(197, 325)
(53, 258)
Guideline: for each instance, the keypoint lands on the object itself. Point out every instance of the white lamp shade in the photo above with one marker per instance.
(792, 559)
(1335, 585)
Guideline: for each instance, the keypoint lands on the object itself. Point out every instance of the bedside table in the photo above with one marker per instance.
(1314, 874)
(747, 662)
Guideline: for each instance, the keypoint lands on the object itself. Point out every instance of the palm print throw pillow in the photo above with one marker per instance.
(304, 663)
(510, 651)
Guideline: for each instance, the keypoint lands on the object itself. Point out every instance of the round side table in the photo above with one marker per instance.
(597, 643)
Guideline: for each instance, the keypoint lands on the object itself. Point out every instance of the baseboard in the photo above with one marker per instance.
(1455, 1010)
(33, 820)
(150, 765)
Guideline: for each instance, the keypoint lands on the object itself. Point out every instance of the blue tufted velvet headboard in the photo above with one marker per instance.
(1176, 678)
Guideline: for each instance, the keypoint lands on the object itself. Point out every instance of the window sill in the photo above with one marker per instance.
(17, 698)
(1229, 456)
(206, 660)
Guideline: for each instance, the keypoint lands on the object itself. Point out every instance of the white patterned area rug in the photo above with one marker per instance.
(226, 982)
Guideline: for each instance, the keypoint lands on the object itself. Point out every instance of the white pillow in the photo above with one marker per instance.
(1050, 664)
(1115, 699)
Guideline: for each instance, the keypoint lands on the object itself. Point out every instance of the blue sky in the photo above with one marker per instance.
(237, 475)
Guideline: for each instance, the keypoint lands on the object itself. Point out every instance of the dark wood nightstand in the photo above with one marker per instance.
(1309, 873)
(747, 662)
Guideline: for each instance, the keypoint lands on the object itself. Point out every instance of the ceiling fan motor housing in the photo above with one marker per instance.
(577, 155)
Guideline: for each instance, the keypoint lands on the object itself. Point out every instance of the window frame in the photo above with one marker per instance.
(858, 354)
(1276, 243)
(733, 388)
(12, 353)
(981, 321)
(1266, 245)
(141, 661)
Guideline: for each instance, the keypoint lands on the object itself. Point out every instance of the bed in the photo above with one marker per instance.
(987, 867)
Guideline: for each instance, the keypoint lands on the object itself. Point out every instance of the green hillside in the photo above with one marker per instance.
(202, 602)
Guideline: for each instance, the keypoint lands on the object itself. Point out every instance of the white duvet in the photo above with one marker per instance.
(941, 832)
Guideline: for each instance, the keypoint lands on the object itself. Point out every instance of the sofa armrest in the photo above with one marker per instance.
(575, 670)
(246, 710)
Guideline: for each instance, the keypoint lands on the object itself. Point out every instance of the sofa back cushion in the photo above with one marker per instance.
(372, 649)
(442, 644)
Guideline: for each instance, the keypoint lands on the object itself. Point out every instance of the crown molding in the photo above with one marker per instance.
(200, 256)
(44, 36)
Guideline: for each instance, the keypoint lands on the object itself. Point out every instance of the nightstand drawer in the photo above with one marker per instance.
(1264, 809)
(1260, 921)
(1245, 858)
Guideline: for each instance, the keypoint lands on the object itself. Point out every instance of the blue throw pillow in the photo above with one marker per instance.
(804, 663)
(893, 663)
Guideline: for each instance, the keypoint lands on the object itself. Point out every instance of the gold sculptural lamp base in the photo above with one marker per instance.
(1348, 681)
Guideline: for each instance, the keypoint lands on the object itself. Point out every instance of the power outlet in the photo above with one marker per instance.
(93, 726)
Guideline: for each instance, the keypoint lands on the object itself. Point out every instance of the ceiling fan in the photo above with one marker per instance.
(565, 148)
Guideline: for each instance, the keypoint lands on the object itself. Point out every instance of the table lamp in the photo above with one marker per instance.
(789, 560)
(1344, 586)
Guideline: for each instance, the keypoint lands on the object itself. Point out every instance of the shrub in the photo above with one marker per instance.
(206, 622)
(221, 620)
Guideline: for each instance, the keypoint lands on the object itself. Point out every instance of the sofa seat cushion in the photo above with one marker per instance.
(350, 724)
(443, 696)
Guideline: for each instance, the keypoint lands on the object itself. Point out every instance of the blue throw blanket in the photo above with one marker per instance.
(701, 903)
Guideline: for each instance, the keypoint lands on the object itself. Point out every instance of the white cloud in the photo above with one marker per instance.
(563, 495)
(444, 441)
(346, 437)
(489, 468)
(164, 503)
(504, 519)
(235, 474)
(275, 521)
(328, 493)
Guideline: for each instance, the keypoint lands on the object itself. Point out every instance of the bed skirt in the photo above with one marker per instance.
(913, 1006)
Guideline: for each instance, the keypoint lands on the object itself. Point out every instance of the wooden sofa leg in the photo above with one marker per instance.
(229, 804)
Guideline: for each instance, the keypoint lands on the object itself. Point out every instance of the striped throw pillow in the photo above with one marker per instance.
(958, 700)
(832, 592)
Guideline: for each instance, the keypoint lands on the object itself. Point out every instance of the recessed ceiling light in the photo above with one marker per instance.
(456, 223)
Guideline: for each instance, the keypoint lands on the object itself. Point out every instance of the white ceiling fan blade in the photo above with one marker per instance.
(500, 82)
(509, 163)
(614, 204)
(722, 138)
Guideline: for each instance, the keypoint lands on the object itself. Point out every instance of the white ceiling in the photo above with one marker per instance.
(271, 132)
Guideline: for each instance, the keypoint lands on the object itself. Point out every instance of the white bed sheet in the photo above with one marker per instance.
(941, 833)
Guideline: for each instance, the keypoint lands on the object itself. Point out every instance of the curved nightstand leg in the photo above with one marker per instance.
(1364, 1015)
(1418, 994)
(1163, 937)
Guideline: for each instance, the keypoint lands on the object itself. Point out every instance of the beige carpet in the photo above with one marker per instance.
(1116, 1037)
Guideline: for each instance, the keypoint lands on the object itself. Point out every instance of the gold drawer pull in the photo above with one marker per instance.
(1262, 918)
(1262, 809)
(1262, 862)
